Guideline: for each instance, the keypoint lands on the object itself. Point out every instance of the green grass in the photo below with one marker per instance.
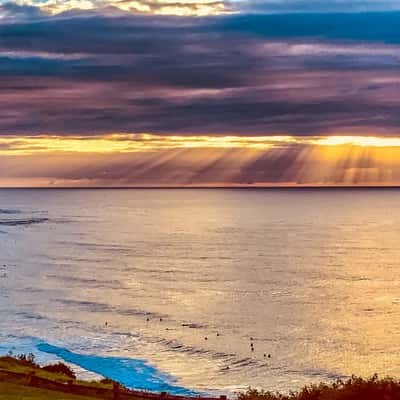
(11, 391)
(14, 365)
(15, 388)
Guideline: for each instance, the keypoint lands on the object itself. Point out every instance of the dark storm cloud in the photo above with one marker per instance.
(299, 74)
(367, 26)
(317, 6)
(21, 12)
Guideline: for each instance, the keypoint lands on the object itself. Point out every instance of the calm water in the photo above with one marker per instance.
(311, 275)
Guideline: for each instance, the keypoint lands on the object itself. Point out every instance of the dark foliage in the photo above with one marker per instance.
(60, 368)
(27, 360)
(107, 381)
(352, 389)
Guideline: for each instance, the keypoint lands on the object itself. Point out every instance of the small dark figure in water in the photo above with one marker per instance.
(269, 355)
(206, 338)
(106, 324)
(147, 319)
(160, 319)
(217, 334)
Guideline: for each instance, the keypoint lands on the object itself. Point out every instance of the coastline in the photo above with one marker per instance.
(22, 378)
(132, 373)
(23, 372)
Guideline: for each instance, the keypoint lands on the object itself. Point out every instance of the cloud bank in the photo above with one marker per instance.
(295, 74)
(198, 68)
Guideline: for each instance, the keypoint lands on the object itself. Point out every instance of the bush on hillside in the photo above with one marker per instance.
(60, 368)
(351, 389)
(27, 360)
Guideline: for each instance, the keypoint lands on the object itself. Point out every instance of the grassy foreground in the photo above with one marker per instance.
(12, 391)
(22, 379)
(16, 376)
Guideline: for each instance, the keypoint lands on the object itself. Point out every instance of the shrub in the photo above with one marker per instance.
(60, 368)
(27, 360)
(351, 389)
(107, 381)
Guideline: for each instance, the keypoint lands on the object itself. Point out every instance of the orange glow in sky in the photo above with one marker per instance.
(125, 143)
(147, 160)
(160, 7)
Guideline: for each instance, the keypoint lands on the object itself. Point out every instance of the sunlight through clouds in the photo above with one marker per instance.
(131, 143)
(125, 143)
(151, 160)
(258, 92)
(160, 7)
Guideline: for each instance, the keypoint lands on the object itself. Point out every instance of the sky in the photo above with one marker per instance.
(199, 92)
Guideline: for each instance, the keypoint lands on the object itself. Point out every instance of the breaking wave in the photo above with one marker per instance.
(132, 373)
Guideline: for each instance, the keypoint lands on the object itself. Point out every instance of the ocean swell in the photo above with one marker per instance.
(22, 221)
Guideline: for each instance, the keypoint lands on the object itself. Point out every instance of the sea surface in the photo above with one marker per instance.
(167, 289)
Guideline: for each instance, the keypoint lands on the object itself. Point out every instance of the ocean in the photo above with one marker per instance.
(199, 291)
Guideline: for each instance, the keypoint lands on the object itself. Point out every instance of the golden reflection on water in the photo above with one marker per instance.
(311, 275)
(359, 305)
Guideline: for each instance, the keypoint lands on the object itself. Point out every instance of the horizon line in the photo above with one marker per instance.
(264, 187)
